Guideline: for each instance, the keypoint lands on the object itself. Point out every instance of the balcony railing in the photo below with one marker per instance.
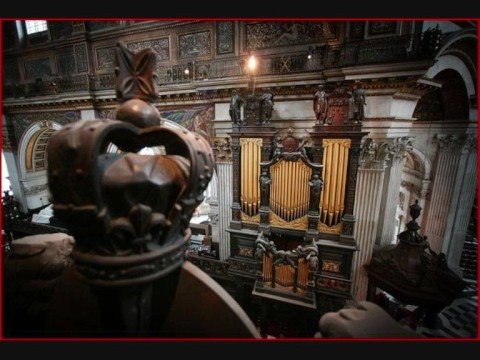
(373, 51)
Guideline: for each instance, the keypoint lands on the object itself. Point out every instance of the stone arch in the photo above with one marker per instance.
(452, 62)
(449, 102)
(31, 161)
(34, 142)
(414, 186)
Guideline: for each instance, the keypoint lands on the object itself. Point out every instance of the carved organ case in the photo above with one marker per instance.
(289, 198)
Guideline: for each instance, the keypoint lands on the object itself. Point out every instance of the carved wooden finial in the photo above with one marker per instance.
(135, 87)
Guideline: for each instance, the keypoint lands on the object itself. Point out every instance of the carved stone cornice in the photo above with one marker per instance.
(221, 149)
(399, 147)
(374, 155)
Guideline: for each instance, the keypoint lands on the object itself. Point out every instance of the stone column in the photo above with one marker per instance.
(391, 187)
(212, 201)
(443, 182)
(368, 194)
(223, 158)
(225, 201)
(9, 149)
(461, 205)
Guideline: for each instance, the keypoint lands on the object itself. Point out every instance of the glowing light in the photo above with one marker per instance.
(309, 56)
(252, 63)
(186, 71)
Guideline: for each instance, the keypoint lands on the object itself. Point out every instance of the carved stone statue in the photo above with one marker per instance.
(315, 186)
(267, 106)
(320, 105)
(264, 185)
(235, 105)
(359, 103)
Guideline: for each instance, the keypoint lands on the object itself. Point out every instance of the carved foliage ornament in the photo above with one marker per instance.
(375, 154)
(399, 147)
(221, 149)
(456, 143)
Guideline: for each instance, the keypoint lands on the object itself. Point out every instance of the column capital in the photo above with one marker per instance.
(221, 149)
(455, 143)
(470, 143)
(399, 147)
(374, 154)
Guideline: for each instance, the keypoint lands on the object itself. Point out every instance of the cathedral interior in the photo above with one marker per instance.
(245, 179)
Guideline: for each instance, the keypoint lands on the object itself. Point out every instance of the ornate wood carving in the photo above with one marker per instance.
(129, 213)
(195, 44)
(225, 37)
(262, 35)
(412, 272)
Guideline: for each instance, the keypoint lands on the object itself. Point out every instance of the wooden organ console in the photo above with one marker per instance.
(304, 195)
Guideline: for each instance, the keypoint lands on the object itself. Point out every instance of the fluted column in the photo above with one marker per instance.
(448, 159)
(223, 159)
(391, 187)
(368, 194)
(461, 205)
(212, 201)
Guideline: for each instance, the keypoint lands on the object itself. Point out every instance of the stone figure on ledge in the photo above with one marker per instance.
(267, 106)
(320, 106)
(359, 103)
(235, 105)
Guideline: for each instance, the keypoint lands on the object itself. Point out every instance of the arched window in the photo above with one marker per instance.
(35, 26)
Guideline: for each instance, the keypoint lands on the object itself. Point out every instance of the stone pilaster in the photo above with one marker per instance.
(373, 158)
(461, 205)
(391, 187)
(225, 200)
(223, 211)
(443, 182)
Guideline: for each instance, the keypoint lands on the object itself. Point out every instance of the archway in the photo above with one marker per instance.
(32, 161)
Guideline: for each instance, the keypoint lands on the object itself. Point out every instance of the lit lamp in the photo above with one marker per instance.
(252, 66)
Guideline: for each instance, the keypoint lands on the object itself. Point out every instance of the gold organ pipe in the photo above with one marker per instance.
(245, 182)
(333, 183)
(254, 179)
(323, 190)
(304, 182)
(296, 191)
(326, 151)
(284, 187)
(243, 176)
(289, 193)
(344, 179)
(338, 190)
(250, 177)
(330, 182)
